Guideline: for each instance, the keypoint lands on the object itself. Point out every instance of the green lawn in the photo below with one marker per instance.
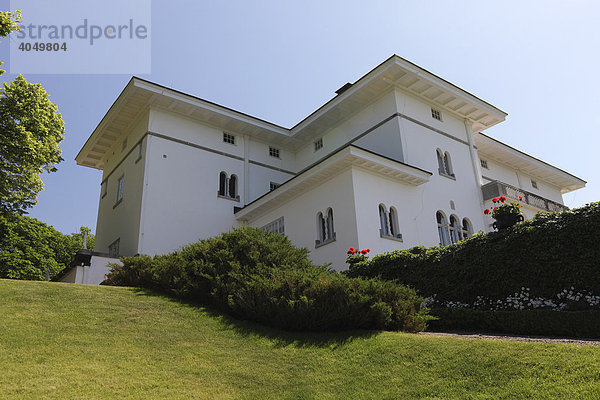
(63, 341)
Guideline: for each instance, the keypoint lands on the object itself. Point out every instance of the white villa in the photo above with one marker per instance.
(394, 160)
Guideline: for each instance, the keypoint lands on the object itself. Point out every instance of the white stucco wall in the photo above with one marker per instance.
(121, 221)
(300, 219)
(94, 274)
(346, 130)
(180, 196)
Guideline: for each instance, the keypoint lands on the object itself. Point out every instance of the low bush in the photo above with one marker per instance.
(262, 277)
(530, 265)
(583, 324)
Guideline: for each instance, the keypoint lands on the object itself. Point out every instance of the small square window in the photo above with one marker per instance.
(484, 164)
(436, 114)
(273, 186)
(534, 184)
(318, 144)
(228, 138)
(273, 152)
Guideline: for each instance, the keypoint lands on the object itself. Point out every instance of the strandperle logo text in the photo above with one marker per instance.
(84, 31)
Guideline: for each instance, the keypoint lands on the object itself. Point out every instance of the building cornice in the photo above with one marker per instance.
(350, 156)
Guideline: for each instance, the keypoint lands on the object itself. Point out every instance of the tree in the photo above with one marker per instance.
(30, 131)
(28, 247)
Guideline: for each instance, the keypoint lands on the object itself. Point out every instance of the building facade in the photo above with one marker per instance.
(394, 160)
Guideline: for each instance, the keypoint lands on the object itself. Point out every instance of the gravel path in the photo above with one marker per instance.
(538, 339)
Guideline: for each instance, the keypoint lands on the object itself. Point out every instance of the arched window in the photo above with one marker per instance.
(233, 186)
(467, 228)
(330, 231)
(325, 230)
(321, 229)
(440, 158)
(442, 229)
(448, 164)
(393, 222)
(222, 183)
(383, 221)
(455, 231)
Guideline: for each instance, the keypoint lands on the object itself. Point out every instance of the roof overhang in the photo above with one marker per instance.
(504, 154)
(401, 74)
(327, 169)
(395, 73)
(140, 95)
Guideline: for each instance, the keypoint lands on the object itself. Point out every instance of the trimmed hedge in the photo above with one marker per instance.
(582, 324)
(260, 276)
(550, 253)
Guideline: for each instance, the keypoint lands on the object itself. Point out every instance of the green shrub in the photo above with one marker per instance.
(583, 324)
(548, 254)
(28, 247)
(262, 277)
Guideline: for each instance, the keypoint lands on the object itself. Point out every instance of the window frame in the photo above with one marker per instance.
(229, 138)
(274, 152)
(111, 247)
(436, 114)
(325, 228)
(120, 190)
(443, 231)
(277, 226)
(318, 144)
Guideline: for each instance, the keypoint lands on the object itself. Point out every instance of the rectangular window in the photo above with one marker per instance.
(273, 152)
(436, 114)
(318, 144)
(228, 138)
(273, 186)
(139, 153)
(484, 164)
(275, 226)
(534, 184)
(120, 184)
(113, 249)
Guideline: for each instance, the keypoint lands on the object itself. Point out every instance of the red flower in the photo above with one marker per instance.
(495, 208)
(486, 211)
(520, 197)
(368, 250)
(502, 199)
(495, 200)
(364, 252)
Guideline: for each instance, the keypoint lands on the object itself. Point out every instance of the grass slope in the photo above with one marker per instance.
(68, 341)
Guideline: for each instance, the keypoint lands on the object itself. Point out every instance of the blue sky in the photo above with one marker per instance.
(536, 60)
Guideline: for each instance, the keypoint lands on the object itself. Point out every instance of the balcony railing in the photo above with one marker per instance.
(497, 188)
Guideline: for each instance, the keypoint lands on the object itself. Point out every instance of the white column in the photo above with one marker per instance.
(474, 160)
(246, 169)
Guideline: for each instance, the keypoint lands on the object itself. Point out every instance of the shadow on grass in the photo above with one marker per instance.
(279, 337)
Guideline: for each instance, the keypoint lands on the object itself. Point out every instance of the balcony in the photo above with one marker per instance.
(497, 188)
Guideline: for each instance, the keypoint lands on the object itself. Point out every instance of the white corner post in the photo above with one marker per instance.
(246, 169)
(474, 160)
